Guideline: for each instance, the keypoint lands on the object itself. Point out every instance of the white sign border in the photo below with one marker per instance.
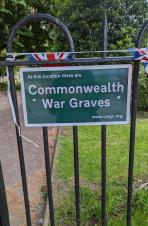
(128, 66)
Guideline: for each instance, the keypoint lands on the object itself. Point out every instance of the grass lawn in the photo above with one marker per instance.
(90, 176)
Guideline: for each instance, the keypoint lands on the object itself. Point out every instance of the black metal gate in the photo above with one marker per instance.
(72, 61)
(4, 216)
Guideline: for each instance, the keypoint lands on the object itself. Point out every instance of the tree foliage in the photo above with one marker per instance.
(84, 19)
(32, 35)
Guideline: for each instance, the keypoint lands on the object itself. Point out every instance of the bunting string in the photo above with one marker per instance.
(130, 50)
(137, 54)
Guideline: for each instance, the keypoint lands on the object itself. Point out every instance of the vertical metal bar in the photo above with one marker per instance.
(48, 175)
(103, 136)
(20, 147)
(76, 170)
(103, 146)
(0, 221)
(132, 140)
(4, 216)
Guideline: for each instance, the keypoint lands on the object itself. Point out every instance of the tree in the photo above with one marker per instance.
(84, 19)
(11, 11)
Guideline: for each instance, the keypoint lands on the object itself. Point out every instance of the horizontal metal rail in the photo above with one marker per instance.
(69, 62)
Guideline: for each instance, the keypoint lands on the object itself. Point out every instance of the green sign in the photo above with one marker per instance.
(76, 95)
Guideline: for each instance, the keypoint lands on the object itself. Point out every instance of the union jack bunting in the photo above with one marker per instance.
(142, 55)
(50, 57)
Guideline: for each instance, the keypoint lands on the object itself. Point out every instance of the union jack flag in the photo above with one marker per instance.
(50, 57)
(142, 55)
